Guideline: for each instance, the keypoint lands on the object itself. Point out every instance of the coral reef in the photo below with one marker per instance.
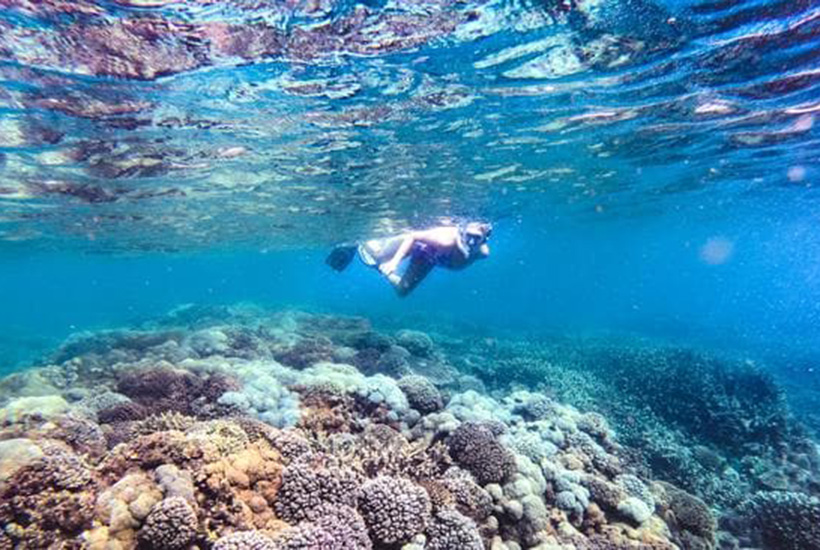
(228, 430)
(475, 447)
(784, 520)
(394, 509)
(303, 489)
(171, 525)
(421, 393)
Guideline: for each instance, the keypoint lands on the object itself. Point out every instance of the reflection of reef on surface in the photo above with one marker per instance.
(235, 428)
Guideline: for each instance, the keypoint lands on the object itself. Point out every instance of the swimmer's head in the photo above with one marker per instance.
(478, 232)
(475, 235)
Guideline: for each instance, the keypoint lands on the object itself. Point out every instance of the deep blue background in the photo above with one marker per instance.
(644, 275)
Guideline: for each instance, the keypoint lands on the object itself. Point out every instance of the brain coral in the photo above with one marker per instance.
(475, 447)
(421, 393)
(785, 520)
(304, 489)
(449, 530)
(394, 509)
(171, 525)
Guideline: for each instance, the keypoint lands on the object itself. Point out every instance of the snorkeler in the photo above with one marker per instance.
(451, 247)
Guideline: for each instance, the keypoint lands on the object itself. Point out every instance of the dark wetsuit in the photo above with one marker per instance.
(423, 258)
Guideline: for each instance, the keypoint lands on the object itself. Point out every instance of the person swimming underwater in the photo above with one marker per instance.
(450, 247)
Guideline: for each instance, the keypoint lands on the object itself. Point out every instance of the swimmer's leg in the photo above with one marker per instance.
(419, 268)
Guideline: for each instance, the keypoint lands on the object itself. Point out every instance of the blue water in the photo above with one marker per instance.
(650, 167)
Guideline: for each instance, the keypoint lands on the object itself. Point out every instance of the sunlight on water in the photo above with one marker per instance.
(133, 125)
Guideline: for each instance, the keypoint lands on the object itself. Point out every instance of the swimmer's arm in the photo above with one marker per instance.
(391, 265)
(441, 237)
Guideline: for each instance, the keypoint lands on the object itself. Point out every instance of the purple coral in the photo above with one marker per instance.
(122, 412)
(306, 352)
(305, 536)
(394, 509)
(469, 498)
(161, 390)
(330, 527)
(305, 489)
(52, 497)
(449, 530)
(171, 525)
(421, 393)
(245, 540)
(344, 525)
(475, 447)
(290, 445)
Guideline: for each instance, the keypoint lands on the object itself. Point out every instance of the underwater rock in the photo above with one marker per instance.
(15, 454)
(39, 407)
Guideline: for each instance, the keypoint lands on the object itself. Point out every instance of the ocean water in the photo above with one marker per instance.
(177, 171)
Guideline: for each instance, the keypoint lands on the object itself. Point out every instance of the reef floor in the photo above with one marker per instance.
(241, 428)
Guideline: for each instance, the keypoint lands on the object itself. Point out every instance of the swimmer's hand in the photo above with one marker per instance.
(389, 268)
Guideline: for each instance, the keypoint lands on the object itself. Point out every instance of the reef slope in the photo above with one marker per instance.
(239, 428)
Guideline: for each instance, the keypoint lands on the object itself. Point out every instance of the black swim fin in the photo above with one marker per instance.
(341, 256)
